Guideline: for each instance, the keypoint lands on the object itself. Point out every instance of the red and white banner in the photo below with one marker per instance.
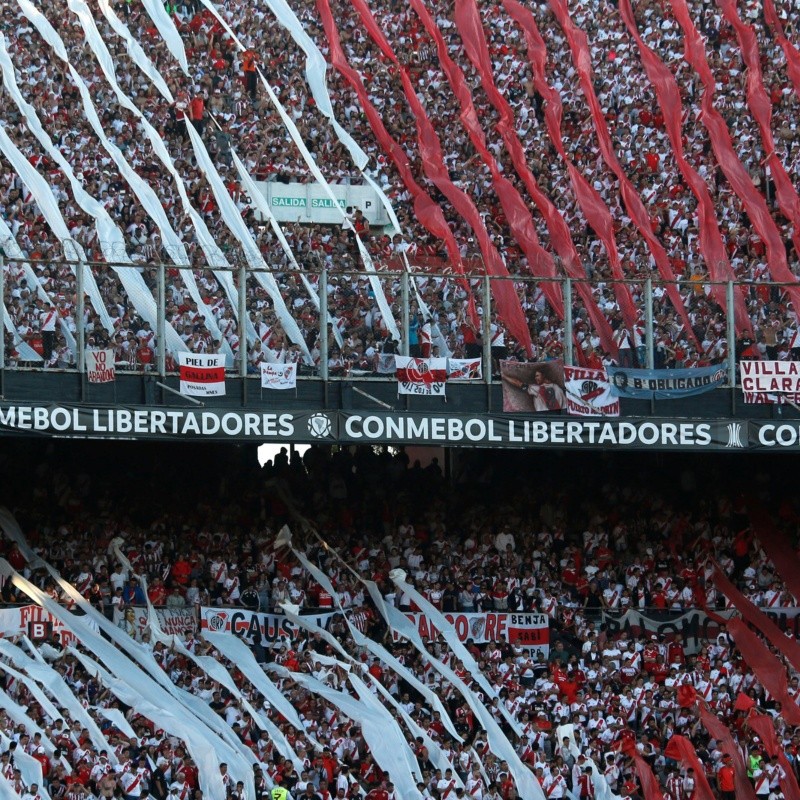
(531, 631)
(279, 376)
(202, 374)
(421, 375)
(100, 367)
(36, 623)
(769, 377)
(589, 393)
(464, 369)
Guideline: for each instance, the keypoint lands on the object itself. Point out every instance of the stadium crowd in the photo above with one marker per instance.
(482, 538)
(226, 104)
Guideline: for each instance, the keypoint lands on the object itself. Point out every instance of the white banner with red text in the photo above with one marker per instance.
(589, 393)
(202, 374)
(100, 366)
(279, 376)
(531, 631)
(38, 625)
(33, 621)
(760, 379)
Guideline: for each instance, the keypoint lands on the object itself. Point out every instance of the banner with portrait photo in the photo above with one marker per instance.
(589, 393)
(533, 387)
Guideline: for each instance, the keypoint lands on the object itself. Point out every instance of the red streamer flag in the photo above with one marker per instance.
(789, 50)
(680, 749)
(710, 238)
(764, 727)
(519, 217)
(766, 667)
(581, 58)
(778, 549)
(757, 618)
(733, 169)
(725, 742)
(760, 107)
(428, 212)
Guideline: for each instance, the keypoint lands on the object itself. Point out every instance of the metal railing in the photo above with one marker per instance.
(555, 311)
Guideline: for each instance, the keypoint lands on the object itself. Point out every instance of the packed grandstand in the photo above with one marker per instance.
(334, 696)
(600, 141)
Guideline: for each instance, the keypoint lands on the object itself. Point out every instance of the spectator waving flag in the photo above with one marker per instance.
(421, 375)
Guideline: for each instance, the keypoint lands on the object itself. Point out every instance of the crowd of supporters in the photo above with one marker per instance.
(227, 104)
(500, 533)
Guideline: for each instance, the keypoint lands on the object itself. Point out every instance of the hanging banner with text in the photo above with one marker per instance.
(279, 376)
(254, 626)
(393, 427)
(202, 374)
(770, 381)
(421, 376)
(531, 631)
(100, 366)
(589, 393)
(36, 623)
(665, 384)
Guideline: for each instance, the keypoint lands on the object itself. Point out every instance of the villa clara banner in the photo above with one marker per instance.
(775, 382)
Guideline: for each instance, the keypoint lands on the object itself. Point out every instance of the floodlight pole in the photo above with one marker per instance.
(569, 350)
(161, 323)
(323, 324)
(648, 323)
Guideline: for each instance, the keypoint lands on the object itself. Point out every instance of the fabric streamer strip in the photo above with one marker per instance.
(315, 77)
(469, 26)
(581, 59)
(13, 251)
(109, 235)
(262, 206)
(284, 539)
(427, 211)
(760, 105)
(143, 191)
(296, 136)
(135, 52)
(214, 256)
(169, 33)
(235, 224)
(506, 300)
(722, 144)
(448, 632)
(516, 211)
(764, 727)
(382, 742)
(58, 688)
(679, 748)
(45, 199)
(790, 648)
(790, 52)
(725, 742)
(710, 239)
